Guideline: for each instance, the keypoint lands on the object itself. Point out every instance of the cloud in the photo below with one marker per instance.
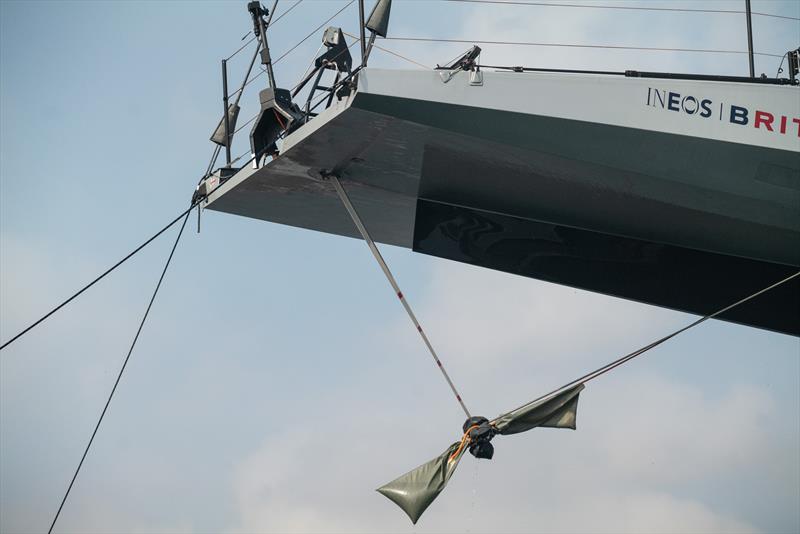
(644, 443)
(320, 477)
(540, 24)
(264, 408)
(494, 319)
(517, 337)
(662, 420)
(653, 513)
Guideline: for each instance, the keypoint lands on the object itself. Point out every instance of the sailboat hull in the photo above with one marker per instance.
(582, 180)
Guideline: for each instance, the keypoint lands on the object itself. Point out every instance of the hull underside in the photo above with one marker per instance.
(683, 222)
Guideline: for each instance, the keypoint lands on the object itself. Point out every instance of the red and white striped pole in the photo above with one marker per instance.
(375, 252)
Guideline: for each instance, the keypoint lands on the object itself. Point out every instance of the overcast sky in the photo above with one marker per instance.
(278, 382)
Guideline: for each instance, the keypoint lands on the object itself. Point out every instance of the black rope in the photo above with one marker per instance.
(93, 282)
(567, 45)
(629, 8)
(195, 203)
(122, 370)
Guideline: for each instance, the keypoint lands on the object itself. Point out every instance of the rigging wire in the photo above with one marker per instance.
(239, 92)
(324, 95)
(385, 268)
(286, 12)
(304, 39)
(246, 123)
(120, 262)
(780, 66)
(585, 378)
(357, 39)
(567, 45)
(402, 57)
(262, 71)
(212, 161)
(363, 231)
(310, 66)
(328, 94)
(247, 82)
(628, 8)
(119, 376)
(331, 60)
(392, 52)
(246, 152)
(628, 357)
(254, 37)
(93, 282)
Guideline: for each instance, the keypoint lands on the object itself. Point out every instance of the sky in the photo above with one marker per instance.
(277, 382)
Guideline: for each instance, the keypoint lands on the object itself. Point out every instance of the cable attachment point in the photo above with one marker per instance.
(335, 58)
(479, 433)
(208, 184)
(257, 12)
(467, 61)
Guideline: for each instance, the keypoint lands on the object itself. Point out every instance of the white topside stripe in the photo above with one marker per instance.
(753, 114)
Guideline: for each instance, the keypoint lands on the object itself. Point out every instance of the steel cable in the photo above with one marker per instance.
(119, 375)
(253, 38)
(567, 45)
(262, 71)
(392, 52)
(120, 262)
(627, 8)
(304, 39)
(93, 282)
(286, 12)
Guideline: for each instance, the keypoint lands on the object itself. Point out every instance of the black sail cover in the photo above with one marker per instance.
(417, 489)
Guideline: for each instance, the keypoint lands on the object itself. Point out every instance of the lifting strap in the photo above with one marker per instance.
(385, 268)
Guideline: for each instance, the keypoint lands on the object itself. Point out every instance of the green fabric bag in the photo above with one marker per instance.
(417, 489)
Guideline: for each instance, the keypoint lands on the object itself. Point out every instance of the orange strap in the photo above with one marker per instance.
(464, 441)
(280, 119)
